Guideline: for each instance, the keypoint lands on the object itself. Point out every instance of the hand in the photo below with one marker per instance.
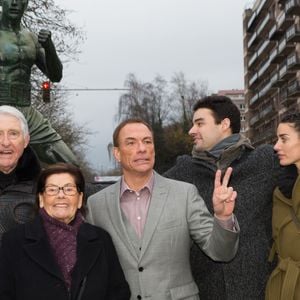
(223, 196)
(44, 37)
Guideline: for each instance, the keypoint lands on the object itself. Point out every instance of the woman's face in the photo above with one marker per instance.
(288, 145)
(60, 198)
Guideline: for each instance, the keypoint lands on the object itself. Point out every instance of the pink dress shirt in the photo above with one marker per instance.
(135, 204)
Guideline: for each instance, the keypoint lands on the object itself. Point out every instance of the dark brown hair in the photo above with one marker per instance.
(123, 124)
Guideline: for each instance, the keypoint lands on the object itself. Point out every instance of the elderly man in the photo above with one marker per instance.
(152, 220)
(20, 50)
(19, 168)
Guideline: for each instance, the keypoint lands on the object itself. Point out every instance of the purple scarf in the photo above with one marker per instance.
(63, 241)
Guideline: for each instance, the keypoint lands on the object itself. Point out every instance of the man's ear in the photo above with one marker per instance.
(27, 140)
(226, 124)
(116, 153)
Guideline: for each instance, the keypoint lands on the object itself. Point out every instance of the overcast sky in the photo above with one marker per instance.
(203, 39)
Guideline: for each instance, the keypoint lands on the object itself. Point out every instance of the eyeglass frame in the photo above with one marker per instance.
(61, 188)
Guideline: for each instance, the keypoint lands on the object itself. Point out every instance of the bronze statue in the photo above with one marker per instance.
(20, 49)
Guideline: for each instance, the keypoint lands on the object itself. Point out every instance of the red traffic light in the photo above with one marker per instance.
(46, 91)
(46, 85)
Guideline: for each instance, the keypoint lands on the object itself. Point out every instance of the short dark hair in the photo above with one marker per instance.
(123, 124)
(222, 107)
(60, 168)
(293, 118)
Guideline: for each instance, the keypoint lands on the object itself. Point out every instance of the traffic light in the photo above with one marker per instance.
(46, 91)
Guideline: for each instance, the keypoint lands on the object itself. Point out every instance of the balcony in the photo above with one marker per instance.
(253, 99)
(252, 59)
(284, 73)
(267, 111)
(292, 7)
(293, 89)
(284, 21)
(284, 47)
(254, 119)
(274, 57)
(265, 47)
(252, 22)
(275, 33)
(253, 79)
(284, 97)
(263, 68)
(265, 25)
(293, 34)
(293, 62)
(252, 40)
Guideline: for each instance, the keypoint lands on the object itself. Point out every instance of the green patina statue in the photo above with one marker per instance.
(20, 49)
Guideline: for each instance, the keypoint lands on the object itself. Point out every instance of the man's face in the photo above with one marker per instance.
(12, 142)
(136, 149)
(14, 9)
(205, 132)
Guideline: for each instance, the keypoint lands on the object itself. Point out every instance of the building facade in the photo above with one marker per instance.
(271, 66)
(238, 98)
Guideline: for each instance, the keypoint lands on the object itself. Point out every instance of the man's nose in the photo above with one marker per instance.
(141, 146)
(4, 140)
(191, 131)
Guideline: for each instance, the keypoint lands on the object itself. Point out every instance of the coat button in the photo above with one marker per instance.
(141, 269)
(139, 297)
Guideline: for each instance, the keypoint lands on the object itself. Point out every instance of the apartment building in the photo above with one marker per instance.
(237, 97)
(271, 65)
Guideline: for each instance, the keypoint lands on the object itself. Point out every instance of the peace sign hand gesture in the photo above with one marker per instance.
(223, 196)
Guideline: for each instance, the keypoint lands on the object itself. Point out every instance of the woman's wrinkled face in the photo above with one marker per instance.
(288, 145)
(60, 197)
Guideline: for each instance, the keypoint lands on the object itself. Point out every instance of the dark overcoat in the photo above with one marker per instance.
(254, 179)
(28, 270)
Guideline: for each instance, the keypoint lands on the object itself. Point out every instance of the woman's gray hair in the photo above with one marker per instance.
(12, 111)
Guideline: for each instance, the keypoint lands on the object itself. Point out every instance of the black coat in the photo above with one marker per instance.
(18, 197)
(254, 179)
(28, 270)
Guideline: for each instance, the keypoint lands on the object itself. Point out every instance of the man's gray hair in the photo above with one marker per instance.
(12, 111)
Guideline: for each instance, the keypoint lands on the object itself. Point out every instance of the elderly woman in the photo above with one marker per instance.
(284, 282)
(58, 256)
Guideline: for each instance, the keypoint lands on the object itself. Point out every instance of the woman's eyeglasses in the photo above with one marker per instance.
(53, 190)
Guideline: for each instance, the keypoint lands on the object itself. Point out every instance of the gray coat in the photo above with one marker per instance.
(157, 267)
(253, 178)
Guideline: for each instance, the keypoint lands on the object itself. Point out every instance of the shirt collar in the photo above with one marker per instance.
(149, 185)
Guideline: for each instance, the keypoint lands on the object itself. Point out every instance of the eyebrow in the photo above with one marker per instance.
(198, 119)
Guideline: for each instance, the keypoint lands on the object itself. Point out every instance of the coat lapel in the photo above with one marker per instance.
(114, 209)
(38, 248)
(158, 200)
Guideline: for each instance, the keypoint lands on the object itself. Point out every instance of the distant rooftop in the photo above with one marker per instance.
(230, 92)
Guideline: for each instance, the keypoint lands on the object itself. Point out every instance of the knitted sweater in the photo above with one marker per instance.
(244, 278)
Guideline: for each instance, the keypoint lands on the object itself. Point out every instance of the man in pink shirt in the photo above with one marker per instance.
(152, 219)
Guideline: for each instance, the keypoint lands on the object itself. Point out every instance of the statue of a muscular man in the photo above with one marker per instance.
(20, 49)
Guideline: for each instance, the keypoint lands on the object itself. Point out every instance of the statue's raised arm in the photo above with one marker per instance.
(20, 50)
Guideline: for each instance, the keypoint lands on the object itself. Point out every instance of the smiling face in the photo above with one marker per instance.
(61, 207)
(205, 132)
(12, 142)
(288, 145)
(135, 150)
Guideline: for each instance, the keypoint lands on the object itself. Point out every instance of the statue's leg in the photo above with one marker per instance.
(46, 142)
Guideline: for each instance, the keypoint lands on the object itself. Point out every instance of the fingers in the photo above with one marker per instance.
(218, 179)
(226, 177)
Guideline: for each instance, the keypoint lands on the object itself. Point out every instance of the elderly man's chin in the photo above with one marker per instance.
(7, 165)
